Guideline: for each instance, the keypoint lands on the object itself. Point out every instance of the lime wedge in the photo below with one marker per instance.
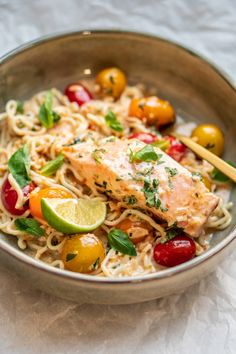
(73, 215)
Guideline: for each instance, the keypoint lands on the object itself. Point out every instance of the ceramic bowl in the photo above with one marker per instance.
(198, 91)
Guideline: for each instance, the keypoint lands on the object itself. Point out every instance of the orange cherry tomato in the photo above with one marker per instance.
(51, 192)
(112, 82)
(137, 230)
(152, 109)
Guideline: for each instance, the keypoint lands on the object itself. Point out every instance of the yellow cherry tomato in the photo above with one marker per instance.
(211, 137)
(112, 82)
(152, 109)
(51, 192)
(82, 253)
(137, 230)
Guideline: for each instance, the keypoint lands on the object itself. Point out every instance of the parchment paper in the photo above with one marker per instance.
(203, 319)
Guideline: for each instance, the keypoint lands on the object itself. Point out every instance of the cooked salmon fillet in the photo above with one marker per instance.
(163, 187)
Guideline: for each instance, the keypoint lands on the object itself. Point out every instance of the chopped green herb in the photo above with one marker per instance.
(46, 115)
(220, 177)
(52, 166)
(161, 144)
(119, 241)
(147, 153)
(130, 200)
(197, 175)
(171, 171)
(150, 190)
(112, 122)
(20, 107)
(70, 256)
(96, 264)
(74, 142)
(30, 226)
(111, 78)
(103, 185)
(172, 231)
(19, 164)
(97, 155)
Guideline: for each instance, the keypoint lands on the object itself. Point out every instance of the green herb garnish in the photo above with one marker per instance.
(130, 200)
(97, 155)
(70, 256)
(96, 264)
(172, 231)
(46, 115)
(196, 174)
(147, 153)
(171, 171)
(119, 241)
(52, 166)
(20, 107)
(19, 165)
(220, 177)
(150, 190)
(112, 122)
(30, 226)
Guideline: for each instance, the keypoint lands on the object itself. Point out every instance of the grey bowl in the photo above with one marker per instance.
(198, 91)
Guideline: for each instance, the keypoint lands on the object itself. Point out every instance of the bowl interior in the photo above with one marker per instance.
(196, 89)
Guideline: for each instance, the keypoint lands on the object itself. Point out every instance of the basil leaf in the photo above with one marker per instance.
(52, 166)
(119, 241)
(112, 122)
(218, 176)
(20, 107)
(147, 153)
(30, 226)
(19, 166)
(46, 115)
(70, 256)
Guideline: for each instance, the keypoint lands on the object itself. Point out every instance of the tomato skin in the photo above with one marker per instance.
(51, 192)
(176, 251)
(147, 138)
(111, 81)
(153, 110)
(9, 197)
(211, 137)
(86, 248)
(76, 92)
(177, 150)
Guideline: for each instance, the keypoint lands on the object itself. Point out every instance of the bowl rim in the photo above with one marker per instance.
(44, 267)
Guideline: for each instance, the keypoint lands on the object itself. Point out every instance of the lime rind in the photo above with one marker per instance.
(71, 216)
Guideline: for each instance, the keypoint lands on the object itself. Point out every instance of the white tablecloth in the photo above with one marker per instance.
(203, 319)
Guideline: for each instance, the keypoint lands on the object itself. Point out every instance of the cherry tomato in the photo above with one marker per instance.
(51, 192)
(82, 253)
(177, 150)
(77, 92)
(156, 111)
(112, 82)
(9, 197)
(137, 230)
(176, 251)
(211, 137)
(147, 138)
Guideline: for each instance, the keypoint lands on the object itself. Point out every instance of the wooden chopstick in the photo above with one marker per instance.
(205, 154)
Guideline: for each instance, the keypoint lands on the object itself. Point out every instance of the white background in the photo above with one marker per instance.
(203, 319)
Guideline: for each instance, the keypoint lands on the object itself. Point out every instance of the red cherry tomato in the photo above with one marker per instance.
(177, 150)
(176, 251)
(147, 138)
(78, 93)
(9, 197)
